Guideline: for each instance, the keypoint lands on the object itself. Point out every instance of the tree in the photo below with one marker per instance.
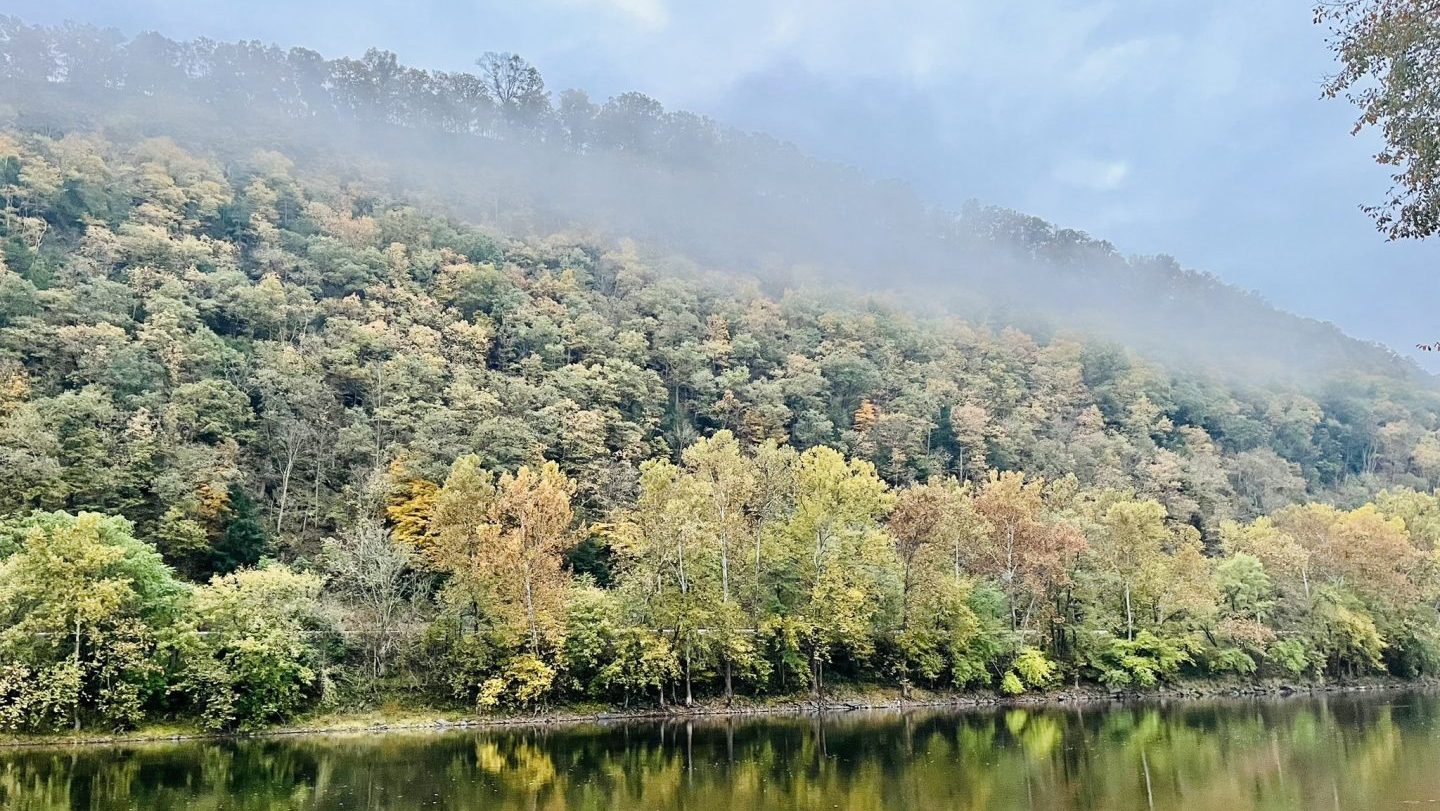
(666, 576)
(775, 468)
(182, 541)
(242, 542)
(410, 504)
(1361, 550)
(84, 606)
(1027, 550)
(532, 511)
(731, 510)
(930, 524)
(1389, 54)
(1128, 549)
(503, 543)
(1244, 586)
(515, 85)
(841, 561)
(1289, 564)
(295, 419)
(461, 542)
(378, 584)
(255, 658)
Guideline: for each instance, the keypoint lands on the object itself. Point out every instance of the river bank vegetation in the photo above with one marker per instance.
(274, 442)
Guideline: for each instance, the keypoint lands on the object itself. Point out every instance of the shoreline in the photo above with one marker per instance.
(421, 719)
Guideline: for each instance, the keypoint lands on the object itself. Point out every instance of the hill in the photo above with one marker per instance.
(498, 149)
(174, 327)
(281, 427)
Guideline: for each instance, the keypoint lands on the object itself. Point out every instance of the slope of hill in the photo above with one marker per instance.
(500, 150)
(174, 327)
(280, 427)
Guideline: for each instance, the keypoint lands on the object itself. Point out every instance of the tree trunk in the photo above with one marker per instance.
(1029, 612)
(530, 613)
(905, 624)
(1129, 616)
(315, 495)
(76, 662)
(815, 676)
(725, 571)
(756, 607)
(689, 695)
(290, 454)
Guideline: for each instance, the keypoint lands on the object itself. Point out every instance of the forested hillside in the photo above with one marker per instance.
(549, 471)
(276, 436)
(500, 149)
(175, 330)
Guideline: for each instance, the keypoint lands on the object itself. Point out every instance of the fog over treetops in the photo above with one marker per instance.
(500, 149)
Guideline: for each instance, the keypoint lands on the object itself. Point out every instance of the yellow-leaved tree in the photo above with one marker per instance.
(503, 543)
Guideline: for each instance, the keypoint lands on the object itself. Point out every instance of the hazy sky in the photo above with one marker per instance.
(1193, 129)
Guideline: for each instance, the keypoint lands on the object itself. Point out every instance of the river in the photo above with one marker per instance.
(1347, 751)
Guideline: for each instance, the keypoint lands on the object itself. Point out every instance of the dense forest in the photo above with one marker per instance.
(499, 149)
(372, 437)
(274, 438)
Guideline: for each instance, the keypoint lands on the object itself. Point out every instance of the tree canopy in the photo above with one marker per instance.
(1389, 58)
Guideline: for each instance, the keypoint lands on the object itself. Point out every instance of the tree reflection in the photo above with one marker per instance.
(1365, 751)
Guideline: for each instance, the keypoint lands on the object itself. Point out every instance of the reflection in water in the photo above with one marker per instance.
(1345, 752)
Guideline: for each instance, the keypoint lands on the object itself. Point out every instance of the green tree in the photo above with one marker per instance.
(242, 542)
(256, 654)
(842, 561)
(731, 510)
(666, 577)
(1128, 548)
(1389, 55)
(85, 607)
(930, 524)
(1244, 586)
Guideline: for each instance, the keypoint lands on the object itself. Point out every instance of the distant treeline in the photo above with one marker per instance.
(272, 439)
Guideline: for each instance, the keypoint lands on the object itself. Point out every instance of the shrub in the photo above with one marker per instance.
(1230, 660)
(1292, 656)
(1034, 668)
(1144, 661)
(524, 682)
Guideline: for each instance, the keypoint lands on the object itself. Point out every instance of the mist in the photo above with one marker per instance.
(501, 149)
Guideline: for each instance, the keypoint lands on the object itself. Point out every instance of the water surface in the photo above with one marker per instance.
(1347, 752)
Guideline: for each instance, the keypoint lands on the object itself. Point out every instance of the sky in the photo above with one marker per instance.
(1191, 129)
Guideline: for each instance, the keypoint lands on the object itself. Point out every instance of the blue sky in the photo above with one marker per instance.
(1193, 129)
